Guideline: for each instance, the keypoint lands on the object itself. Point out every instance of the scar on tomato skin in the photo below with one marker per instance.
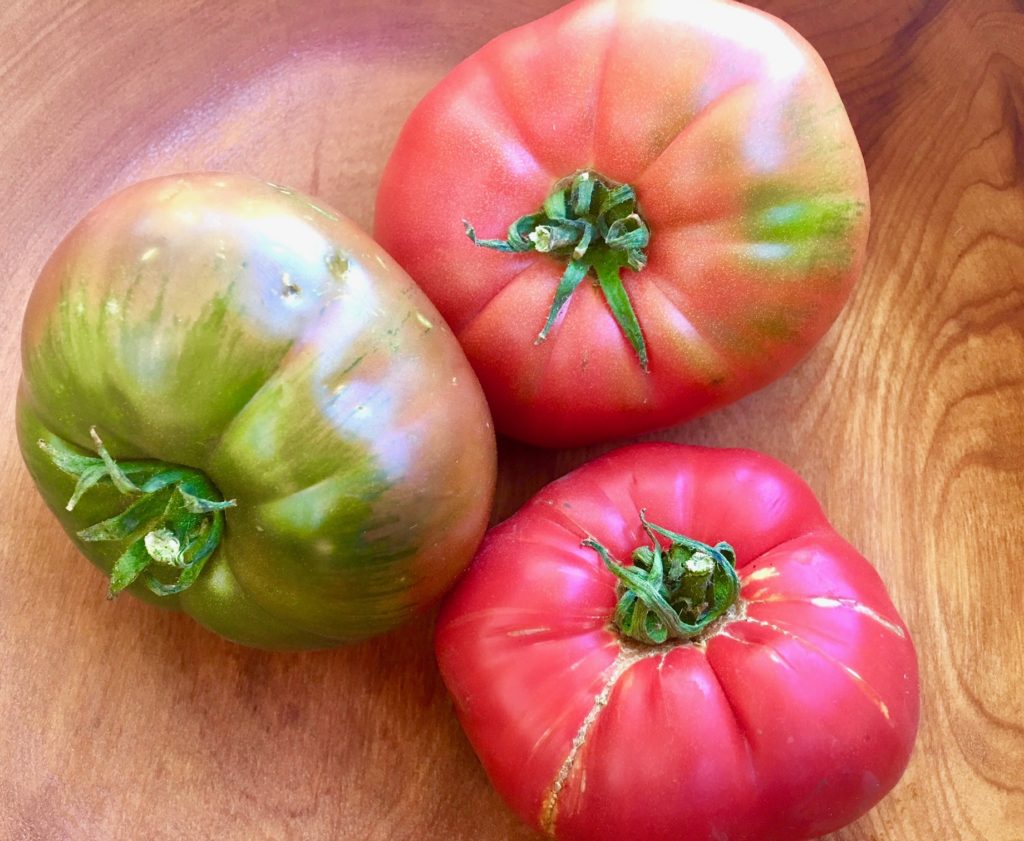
(760, 575)
(869, 692)
(627, 657)
(863, 610)
(831, 603)
(530, 632)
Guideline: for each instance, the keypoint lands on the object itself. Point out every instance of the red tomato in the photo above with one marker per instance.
(729, 257)
(781, 716)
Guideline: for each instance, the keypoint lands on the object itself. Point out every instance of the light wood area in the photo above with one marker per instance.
(121, 721)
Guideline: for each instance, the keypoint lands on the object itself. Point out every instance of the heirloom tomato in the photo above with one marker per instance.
(672, 642)
(238, 406)
(687, 201)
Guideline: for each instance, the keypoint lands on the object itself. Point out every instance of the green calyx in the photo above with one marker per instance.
(593, 225)
(673, 593)
(175, 520)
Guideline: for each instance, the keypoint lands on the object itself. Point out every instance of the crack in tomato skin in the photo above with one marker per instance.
(862, 685)
(629, 655)
(829, 602)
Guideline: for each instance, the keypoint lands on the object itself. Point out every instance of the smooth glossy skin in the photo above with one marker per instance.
(791, 719)
(747, 172)
(243, 329)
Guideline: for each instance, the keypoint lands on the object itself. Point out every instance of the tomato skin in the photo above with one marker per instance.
(234, 326)
(793, 718)
(746, 170)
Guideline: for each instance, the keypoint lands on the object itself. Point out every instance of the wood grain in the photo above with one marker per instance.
(119, 721)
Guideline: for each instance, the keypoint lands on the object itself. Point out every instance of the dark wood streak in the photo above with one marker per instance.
(913, 31)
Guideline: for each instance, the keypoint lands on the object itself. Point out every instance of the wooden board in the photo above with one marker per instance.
(120, 721)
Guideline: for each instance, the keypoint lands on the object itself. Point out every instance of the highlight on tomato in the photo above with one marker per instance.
(631, 212)
(238, 406)
(673, 642)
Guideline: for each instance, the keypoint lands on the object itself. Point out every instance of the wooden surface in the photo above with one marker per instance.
(119, 721)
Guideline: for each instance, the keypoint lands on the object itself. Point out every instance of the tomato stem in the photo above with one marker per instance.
(176, 519)
(592, 224)
(673, 593)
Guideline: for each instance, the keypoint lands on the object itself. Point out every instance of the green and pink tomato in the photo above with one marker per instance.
(240, 407)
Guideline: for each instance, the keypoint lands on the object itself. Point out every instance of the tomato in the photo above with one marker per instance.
(673, 642)
(692, 162)
(252, 413)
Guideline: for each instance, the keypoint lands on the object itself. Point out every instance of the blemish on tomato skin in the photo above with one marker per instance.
(336, 264)
(290, 290)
